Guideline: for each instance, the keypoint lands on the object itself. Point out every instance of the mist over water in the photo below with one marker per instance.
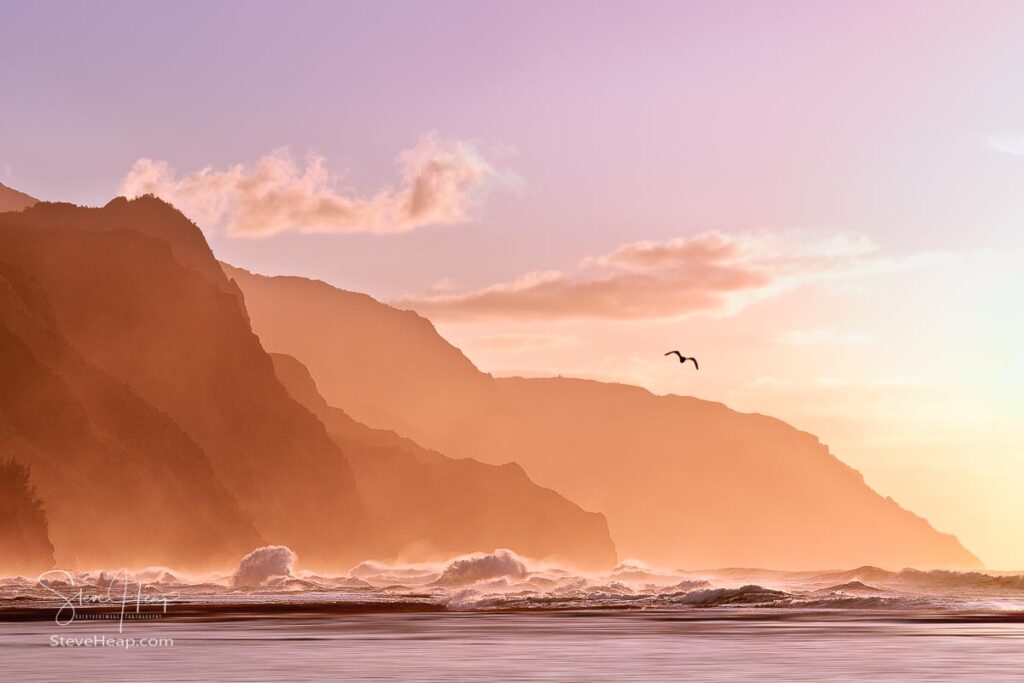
(503, 580)
(500, 616)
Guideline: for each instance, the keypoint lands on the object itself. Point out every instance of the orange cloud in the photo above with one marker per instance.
(441, 182)
(674, 253)
(709, 272)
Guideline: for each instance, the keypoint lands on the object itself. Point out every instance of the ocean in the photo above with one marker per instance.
(712, 645)
(498, 617)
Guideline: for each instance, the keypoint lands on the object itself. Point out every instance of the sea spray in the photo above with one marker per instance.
(262, 564)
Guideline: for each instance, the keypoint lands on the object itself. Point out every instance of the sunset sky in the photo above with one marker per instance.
(822, 202)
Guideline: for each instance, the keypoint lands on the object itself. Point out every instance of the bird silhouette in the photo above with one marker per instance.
(683, 359)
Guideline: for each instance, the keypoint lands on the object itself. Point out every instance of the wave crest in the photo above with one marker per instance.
(500, 563)
(263, 564)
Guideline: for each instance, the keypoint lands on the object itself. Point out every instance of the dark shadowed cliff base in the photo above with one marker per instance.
(25, 546)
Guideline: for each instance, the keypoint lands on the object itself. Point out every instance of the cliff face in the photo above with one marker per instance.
(136, 293)
(682, 481)
(412, 371)
(121, 483)
(25, 546)
(434, 507)
(699, 485)
(159, 431)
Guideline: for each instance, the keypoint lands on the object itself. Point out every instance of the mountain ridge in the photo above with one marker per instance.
(13, 200)
(484, 506)
(78, 428)
(130, 351)
(131, 294)
(730, 489)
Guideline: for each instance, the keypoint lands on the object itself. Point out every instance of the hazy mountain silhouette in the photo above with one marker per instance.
(136, 291)
(682, 481)
(159, 432)
(25, 546)
(432, 506)
(121, 483)
(12, 200)
(399, 366)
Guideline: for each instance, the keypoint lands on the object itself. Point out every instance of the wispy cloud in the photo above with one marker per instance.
(442, 182)
(1007, 143)
(709, 272)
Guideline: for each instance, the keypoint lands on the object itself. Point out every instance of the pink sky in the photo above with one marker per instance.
(862, 163)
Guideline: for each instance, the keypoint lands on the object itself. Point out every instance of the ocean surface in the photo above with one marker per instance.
(498, 617)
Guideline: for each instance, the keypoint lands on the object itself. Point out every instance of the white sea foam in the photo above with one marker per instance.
(262, 564)
(504, 580)
(500, 563)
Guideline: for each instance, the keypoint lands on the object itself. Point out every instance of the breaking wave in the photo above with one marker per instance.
(503, 580)
(744, 595)
(263, 564)
(500, 563)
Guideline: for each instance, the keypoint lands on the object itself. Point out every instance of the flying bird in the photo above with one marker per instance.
(683, 359)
